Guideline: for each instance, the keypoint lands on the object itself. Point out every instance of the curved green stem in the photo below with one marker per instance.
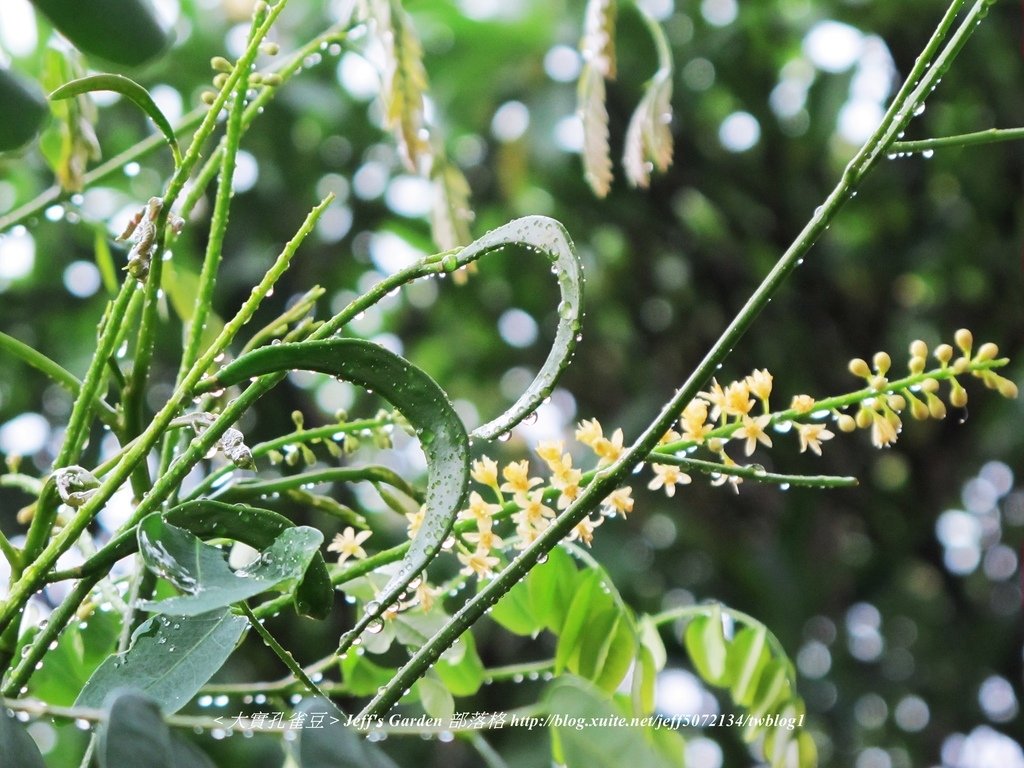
(282, 653)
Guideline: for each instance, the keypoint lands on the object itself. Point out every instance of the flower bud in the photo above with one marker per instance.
(965, 340)
(860, 368)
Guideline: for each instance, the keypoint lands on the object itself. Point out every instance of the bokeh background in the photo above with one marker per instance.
(899, 600)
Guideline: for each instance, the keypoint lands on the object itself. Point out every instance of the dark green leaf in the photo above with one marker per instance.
(203, 572)
(135, 733)
(597, 747)
(131, 90)
(333, 745)
(169, 659)
(23, 109)
(17, 749)
(419, 399)
(122, 31)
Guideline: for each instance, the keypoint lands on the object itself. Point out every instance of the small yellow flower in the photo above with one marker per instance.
(737, 399)
(517, 476)
(609, 449)
(753, 432)
(479, 510)
(528, 534)
(883, 431)
(715, 396)
(561, 469)
(812, 435)
(802, 403)
(619, 500)
(415, 520)
(485, 538)
(485, 471)
(479, 562)
(584, 530)
(569, 488)
(589, 431)
(532, 508)
(348, 544)
(668, 476)
(426, 595)
(760, 384)
(694, 421)
(670, 437)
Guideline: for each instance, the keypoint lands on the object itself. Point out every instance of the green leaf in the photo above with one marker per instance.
(464, 676)
(645, 675)
(538, 233)
(122, 31)
(363, 677)
(23, 108)
(135, 733)
(705, 643)
(181, 284)
(422, 402)
(577, 701)
(333, 745)
(618, 655)
(514, 611)
(129, 89)
(600, 625)
(169, 660)
(748, 654)
(17, 748)
(552, 586)
(202, 571)
(436, 699)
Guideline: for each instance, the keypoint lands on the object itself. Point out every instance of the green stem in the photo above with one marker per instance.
(609, 478)
(373, 474)
(990, 136)
(55, 371)
(759, 474)
(282, 653)
(10, 552)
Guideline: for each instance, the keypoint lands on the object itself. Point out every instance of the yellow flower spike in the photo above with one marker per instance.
(812, 436)
(753, 432)
(918, 348)
(802, 403)
(882, 363)
(987, 351)
(943, 353)
(964, 340)
(846, 422)
(668, 476)
(859, 367)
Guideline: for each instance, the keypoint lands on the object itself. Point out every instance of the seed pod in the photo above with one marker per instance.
(122, 31)
(23, 108)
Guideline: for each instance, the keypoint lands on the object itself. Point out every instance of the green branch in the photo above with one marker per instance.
(990, 136)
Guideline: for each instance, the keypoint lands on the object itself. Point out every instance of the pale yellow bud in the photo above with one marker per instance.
(917, 365)
(897, 402)
(1006, 388)
(988, 351)
(846, 423)
(271, 49)
(878, 383)
(864, 418)
(860, 368)
(208, 97)
(943, 353)
(918, 348)
(918, 410)
(220, 64)
(965, 340)
(958, 396)
(882, 362)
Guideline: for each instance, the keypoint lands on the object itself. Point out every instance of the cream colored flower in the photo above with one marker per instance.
(883, 431)
(485, 538)
(426, 595)
(479, 562)
(715, 396)
(737, 399)
(485, 471)
(619, 500)
(479, 510)
(348, 544)
(753, 432)
(532, 508)
(589, 431)
(812, 436)
(584, 530)
(694, 421)
(609, 449)
(415, 520)
(668, 476)
(550, 451)
(760, 384)
(802, 403)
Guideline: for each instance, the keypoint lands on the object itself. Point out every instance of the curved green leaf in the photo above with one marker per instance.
(135, 733)
(202, 571)
(543, 234)
(436, 699)
(169, 659)
(420, 400)
(131, 90)
(705, 643)
(17, 748)
(748, 654)
(122, 31)
(23, 108)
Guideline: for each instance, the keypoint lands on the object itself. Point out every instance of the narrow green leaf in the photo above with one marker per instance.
(538, 233)
(330, 743)
(645, 675)
(618, 655)
(135, 733)
(747, 657)
(436, 699)
(597, 747)
(104, 259)
(169, 659)
(705, 643)
(17, 748)
(417, 397)
(575, 621)
(599, 625)
(129, 89)
(203, 573)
